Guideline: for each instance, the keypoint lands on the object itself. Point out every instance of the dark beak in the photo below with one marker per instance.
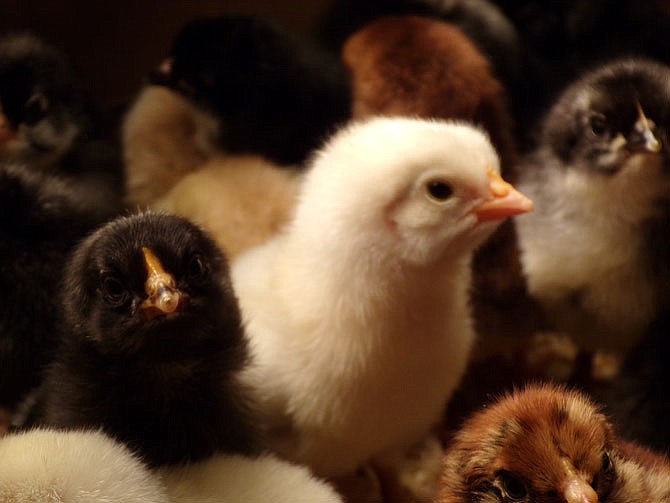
(163, 297)
(642, 138)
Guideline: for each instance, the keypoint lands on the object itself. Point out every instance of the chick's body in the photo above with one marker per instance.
(49, 123)
(357, 314)
(596, 244)
(548, 443)
(45, 466)
(42, 218)
(155, 369)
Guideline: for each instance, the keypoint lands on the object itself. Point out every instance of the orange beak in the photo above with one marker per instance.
(163, 297)
(505, 200)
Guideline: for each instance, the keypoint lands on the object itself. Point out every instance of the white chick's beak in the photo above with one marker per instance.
(505, 201)
(575, 488)
(163, 297)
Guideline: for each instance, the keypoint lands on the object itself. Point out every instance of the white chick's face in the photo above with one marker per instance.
(417, 189)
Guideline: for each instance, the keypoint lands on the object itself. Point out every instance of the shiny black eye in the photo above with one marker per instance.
(35, 110)
(113, 291)
(598, 125)
(196, 267)
(439, 190)
(512, 487)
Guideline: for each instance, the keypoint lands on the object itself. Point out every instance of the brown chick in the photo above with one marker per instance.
(415, 66)
(548, 444)
(241, 200)
(164, 137)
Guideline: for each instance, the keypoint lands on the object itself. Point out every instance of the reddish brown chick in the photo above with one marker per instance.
(548, 444)
(414, 66)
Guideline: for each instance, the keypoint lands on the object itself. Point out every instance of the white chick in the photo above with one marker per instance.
(164, 137)
(242, 200)
(236, 479)
(48, 466)
(357, 314)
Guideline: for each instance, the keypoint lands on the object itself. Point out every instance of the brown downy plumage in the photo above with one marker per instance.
(164, 138)
(546, 444)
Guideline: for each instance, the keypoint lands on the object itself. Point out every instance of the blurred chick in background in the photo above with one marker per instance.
(152, 344)
(546, 443)
(48, 123)
(595, 252)
(481, 21)
(42, 218)
(165, 137)
(357, 314)
(241, 200)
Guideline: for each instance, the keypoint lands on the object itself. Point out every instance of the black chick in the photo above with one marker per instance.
(595, 251)
(152, 344)
(48, 122)
(42, 217)
(274, 95)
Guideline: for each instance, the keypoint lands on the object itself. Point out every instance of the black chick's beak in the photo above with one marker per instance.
(163, 297)
(642, 138)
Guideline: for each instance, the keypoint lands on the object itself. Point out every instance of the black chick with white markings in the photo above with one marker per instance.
(595, 251)
(545, 444)
(42, 217)
(274, 95)
(152, 344)
(49, 123)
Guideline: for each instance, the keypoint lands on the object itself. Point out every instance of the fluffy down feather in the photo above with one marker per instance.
(233, 479)
(164, 137)
(240, 200)
(45, 466)
(357, 314)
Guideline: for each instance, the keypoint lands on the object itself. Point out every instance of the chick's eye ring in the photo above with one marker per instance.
(598, 125)
(112, 290)
(438, 190)
(512, 487)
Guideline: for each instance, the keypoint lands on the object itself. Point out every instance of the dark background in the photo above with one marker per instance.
(113, 44)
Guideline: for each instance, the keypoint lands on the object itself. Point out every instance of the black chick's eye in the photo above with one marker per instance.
(196, 267)
(438, 190)
(598, 125)
(113, 291)
(512, 487)
(36, 109)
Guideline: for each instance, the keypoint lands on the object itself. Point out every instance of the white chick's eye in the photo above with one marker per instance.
(512, 487)
(438, 190)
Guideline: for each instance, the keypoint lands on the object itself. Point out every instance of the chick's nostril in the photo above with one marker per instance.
(168, 300)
